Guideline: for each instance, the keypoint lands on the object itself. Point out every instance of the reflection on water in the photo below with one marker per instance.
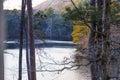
(56, 53)
(39, 43)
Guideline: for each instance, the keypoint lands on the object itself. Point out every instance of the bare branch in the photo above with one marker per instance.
(73, 67)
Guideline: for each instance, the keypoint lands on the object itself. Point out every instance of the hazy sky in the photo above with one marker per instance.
(16, 4)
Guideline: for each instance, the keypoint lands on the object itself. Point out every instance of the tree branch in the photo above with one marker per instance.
(85, 21)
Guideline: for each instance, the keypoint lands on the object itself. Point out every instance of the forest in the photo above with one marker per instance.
(77, 38)
(47, 25)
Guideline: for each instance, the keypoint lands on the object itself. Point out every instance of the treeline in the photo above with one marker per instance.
(12, 22)
(47, 25)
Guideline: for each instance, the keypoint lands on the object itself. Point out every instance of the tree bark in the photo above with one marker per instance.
(106, 38)
(92, 43)
(95, 39)
(2, 30)
(22, 25)
(27, 51)
(32, 48)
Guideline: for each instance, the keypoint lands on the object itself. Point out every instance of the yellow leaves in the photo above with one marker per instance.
(75, 39)
(75, 33)
(113, 3)
(78, 32)
(49, 10)
(76, 28)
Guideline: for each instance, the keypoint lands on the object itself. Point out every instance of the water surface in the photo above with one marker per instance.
(47, 55)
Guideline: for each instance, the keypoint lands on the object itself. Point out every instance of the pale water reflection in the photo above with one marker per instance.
(56, 53)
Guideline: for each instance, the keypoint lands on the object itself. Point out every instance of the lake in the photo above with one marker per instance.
(47, 59)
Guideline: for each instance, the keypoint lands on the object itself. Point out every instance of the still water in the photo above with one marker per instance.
(47, 59)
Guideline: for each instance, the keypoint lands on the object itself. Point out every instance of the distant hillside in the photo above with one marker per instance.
(58, 5)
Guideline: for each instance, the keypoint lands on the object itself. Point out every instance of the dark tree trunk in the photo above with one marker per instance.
(99, 35)
(2, 27)
(32, 48)
(22, 25)
(27, 51)
(95, 39)
(106, 38)
(99, 27)
(92, 43)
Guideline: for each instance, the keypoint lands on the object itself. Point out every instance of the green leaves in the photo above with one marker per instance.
(40, 14)
(115, 13)
(49, 12)
(74, 14)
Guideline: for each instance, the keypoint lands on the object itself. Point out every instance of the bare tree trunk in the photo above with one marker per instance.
(2, 27)
(22, 25)
(27, 40)
(106, 44)
(27, 51)
(32, 48)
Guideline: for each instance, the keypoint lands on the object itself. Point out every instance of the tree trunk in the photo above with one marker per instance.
(22, 25)
(92, 44)
(32, 48)
(99, 28)
(106, 44)
(95, 39)
(99, 36)
(27, 51)
(2, 27)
